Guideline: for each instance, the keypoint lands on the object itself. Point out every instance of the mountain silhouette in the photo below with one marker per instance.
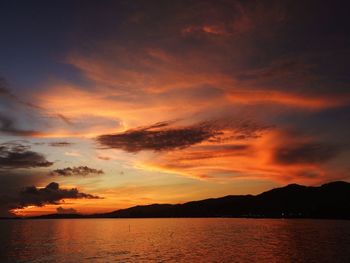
(330, 200)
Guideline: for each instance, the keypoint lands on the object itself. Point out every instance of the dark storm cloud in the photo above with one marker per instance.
(61, 210)
(60, 144)
(15, 155)
(51, 194)
(309, 153)
(77, 171)
(159, 137)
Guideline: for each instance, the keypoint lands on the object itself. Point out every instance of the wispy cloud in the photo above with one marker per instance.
(60, 144)
(76, 171)
(8, 126)
(307, 153)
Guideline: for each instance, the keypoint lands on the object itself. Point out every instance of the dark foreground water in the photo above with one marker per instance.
(174, 240)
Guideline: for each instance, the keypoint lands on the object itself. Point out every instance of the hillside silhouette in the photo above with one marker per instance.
(292, 201)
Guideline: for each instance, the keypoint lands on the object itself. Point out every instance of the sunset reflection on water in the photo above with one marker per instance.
(174, 240)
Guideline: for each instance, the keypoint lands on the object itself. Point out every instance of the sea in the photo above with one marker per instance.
(175, 240)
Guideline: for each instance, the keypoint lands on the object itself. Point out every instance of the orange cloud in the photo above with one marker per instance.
(206, 29)
(288, 99)
(249, 159)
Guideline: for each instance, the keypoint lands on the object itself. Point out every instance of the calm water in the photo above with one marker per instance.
(174, 240)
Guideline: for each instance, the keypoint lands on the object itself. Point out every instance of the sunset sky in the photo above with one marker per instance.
(109, 104)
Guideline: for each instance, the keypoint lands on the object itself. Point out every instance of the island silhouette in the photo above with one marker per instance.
(329, 200)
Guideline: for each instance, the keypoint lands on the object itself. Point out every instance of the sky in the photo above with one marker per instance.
(109, 104)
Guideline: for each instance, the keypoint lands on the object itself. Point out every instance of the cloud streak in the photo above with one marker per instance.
(159, 137)
(164, 136)
(8, 126)
(76, 171)
(5, 92)
(60, 144)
